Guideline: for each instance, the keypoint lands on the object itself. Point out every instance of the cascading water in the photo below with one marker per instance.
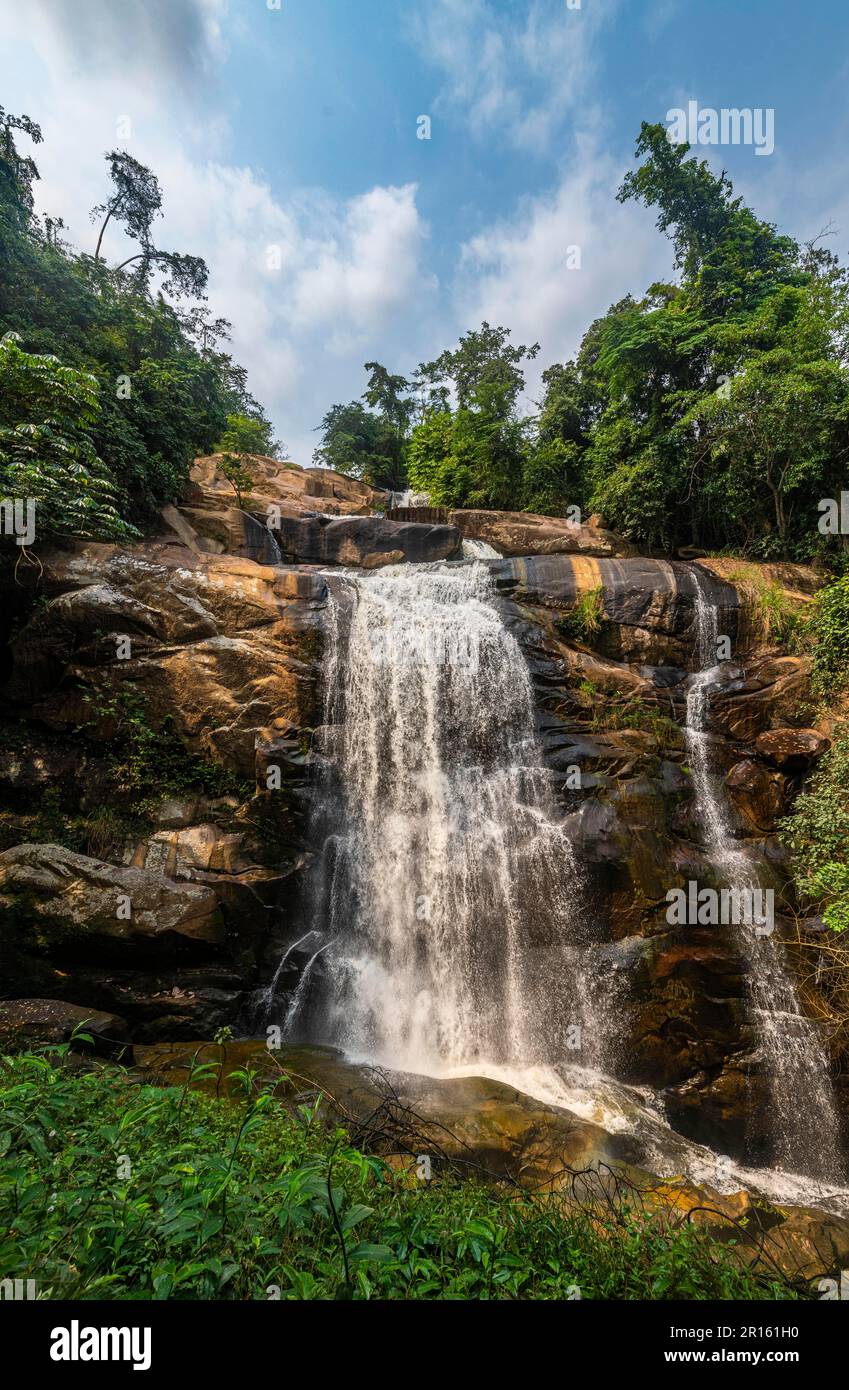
(448, 930)
(805, 1123)
(447, 890)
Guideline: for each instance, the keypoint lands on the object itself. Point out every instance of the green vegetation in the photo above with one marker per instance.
(623, 709)
(773, 613)
(46, 454)
(586, 617)
(710, 412)
(818, 836)
(828, 630)
(144, 756)
(243, 438)
(139, 766)
(111, 376)
(110, 1190)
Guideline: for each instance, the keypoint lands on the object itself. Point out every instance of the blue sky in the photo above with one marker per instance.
(286, 143)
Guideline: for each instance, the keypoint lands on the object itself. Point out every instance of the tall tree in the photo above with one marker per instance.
(135, 201)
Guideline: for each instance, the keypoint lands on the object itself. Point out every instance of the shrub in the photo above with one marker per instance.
(110, 1190)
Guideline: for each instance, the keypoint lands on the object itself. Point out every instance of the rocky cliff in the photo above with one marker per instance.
(158, 707)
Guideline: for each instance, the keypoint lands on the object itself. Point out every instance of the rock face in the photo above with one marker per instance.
(144, 673)
(523, 533)
(793, 750)
(224, 646)
(283, 484)
(212, 519)
(73, 898)
(31, 1022)
(646, 606)
(158, 704)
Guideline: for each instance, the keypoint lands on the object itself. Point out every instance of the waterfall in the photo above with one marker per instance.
(480, 550)
(447, 889)
(805, 1124)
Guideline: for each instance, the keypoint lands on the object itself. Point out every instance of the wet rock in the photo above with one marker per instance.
(758, 794)
(773, 691)
(369, 542)
(648, 614)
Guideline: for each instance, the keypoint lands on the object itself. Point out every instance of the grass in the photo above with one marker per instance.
(774, 615)
(111, 1189)
(586, 617)
(626, 710)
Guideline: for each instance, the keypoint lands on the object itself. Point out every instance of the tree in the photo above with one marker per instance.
(134, 203)
(554, 463)
(473, 458)
(483, 358)
(18, 172)
(727, 255)
(248, 434)
(244, 436)
(390, 395)
(165, 385)
(361, 444)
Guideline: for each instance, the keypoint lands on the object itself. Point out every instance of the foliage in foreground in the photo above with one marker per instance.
(240, 1199)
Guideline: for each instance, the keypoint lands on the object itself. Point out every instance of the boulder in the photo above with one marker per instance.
(27, 1023)
(792, 750)
(524, 533)
(759, 795)
(369, 542)
(283, 484)
(70, 901)
(771, 690)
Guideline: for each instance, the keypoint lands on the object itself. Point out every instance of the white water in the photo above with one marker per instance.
(450, 934)
(804, 1120)
(448, 888)
(480, 550)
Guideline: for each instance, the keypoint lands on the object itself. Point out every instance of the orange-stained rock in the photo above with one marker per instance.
(758, 793)
(794, 750)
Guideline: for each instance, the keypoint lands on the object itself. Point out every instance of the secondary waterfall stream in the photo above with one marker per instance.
(805, 1126)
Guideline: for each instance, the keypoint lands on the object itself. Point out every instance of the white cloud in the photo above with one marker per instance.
(349, 269)
(159, 39)
(516, 271)
(516, 72)
(367, 268)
